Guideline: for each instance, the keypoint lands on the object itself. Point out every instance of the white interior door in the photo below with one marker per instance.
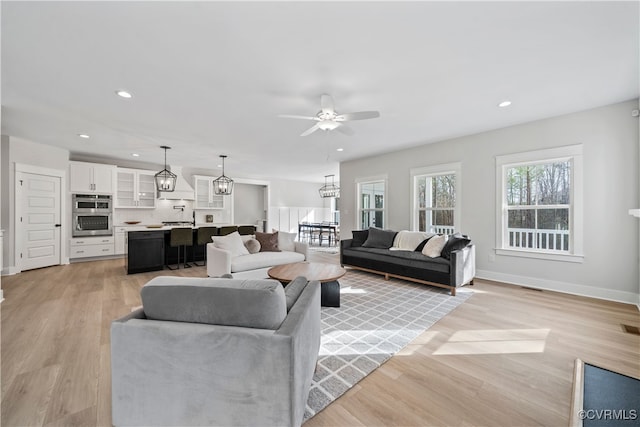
(38, 222)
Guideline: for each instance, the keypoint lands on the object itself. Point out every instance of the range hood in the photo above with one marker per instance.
(183, 190)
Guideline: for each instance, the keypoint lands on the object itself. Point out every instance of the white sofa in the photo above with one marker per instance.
(223, 261)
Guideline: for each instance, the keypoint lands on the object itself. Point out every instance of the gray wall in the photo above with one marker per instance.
(609, 136)
(297, 193)
(248, 203)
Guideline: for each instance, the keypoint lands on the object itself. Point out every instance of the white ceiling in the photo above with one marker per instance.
(211, 78)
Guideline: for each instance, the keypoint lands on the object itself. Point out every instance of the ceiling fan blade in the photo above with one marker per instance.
(310, 130)
(345, 129)
(293, 116)
(360, 115)
(326, 102)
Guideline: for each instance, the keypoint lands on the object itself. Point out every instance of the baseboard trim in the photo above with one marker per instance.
(558, 286)
(10, 271)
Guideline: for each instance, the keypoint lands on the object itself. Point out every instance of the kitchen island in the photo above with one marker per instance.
(148, 248)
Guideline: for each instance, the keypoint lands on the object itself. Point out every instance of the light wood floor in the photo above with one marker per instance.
(503, 358)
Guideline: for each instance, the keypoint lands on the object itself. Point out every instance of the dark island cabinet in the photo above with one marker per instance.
(151, 250)
(145, 251)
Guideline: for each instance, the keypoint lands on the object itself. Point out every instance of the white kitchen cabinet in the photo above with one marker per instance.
(84, 247)
(205, 196)
(121, 239)
(136, 188)
(88, 178)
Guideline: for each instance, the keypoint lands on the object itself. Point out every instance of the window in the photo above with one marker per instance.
(371, 204)
(540, 203)
(435, 208)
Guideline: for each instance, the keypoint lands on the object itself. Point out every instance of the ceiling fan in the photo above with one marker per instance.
(328, 119)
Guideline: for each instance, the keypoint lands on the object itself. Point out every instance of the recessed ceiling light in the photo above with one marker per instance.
(123, 94)
(135, 154)
(504, 104)
(339, 149)
(83, 135)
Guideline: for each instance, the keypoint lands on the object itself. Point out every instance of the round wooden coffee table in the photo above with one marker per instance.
(326, 274)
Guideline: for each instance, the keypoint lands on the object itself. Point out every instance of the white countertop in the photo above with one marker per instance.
(145, 227)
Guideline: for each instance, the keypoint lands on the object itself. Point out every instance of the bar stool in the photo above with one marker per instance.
(227, 229)
(204, 237)
(245, 230)
(179, 237)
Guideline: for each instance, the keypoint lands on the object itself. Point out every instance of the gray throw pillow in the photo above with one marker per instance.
(454, 243)
(293, 290)
(252, 245)
(379, 238)
(359, 237)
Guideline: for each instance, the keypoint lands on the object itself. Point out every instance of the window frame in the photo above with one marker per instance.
(431, 171)
(572, 153)
(359, 209)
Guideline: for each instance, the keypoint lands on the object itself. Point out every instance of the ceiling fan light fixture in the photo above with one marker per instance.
(329, 190)
(223, 185)
(165, 179)
(328, 124)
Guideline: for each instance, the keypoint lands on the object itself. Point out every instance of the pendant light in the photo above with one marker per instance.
(165, 180)
(223, 185)
(329, 190)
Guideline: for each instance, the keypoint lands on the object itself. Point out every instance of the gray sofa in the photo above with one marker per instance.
(450, 270)
(214, 352)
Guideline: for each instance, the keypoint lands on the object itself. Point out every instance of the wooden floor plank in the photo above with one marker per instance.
(31, 394)
(55, 353)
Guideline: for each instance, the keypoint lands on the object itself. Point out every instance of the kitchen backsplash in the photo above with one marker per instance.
(171, 210)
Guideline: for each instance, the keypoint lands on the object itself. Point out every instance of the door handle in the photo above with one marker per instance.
(58, 225)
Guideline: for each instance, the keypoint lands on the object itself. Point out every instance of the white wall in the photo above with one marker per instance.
(248, 203)
(611, 185)
(297, 193)
(17, 150)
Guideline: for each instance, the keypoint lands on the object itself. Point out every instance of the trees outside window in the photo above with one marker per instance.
(540, 204)
(436, 206)
(371, 204)
(436, 200)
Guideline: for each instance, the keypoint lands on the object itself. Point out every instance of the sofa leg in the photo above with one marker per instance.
(453, 291)
(386, 277)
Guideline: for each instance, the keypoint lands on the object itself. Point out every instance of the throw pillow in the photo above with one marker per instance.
(286, 241)
(434, 246)
(359, 237)
(293, 290)
(421, 245)
(268, 241)
(456, 242)
(408, 240)
(379, 238)
(252, 245)
(232, 243)
(246, 237)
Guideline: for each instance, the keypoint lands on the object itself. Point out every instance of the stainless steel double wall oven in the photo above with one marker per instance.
(92, 215)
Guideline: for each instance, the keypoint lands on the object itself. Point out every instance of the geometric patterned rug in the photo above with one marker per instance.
(375, 320)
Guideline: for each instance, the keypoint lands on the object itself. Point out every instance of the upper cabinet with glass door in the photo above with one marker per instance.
(205, 197)
(136, 189)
